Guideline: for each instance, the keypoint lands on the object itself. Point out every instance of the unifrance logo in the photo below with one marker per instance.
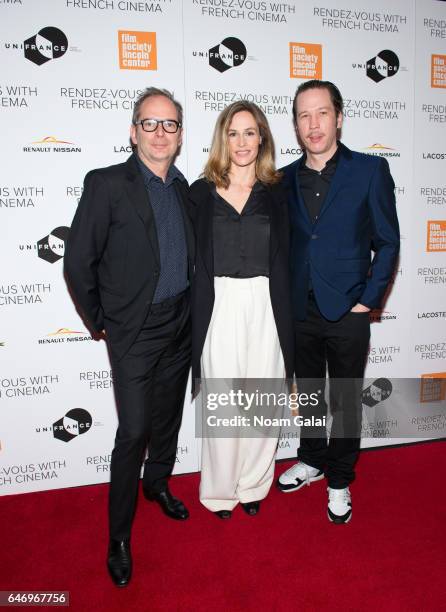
(230, 53)
(49, 43)
(51, 248)
(384, 64)
(377, 392)
(75, 423)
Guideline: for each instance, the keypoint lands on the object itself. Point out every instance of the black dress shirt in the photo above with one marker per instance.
(170, 231)
(241, 241)
(314, 184)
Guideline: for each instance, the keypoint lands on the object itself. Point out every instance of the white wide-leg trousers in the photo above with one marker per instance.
(241, 342)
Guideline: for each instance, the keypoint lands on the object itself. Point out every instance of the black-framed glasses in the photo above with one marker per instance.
(150, 125)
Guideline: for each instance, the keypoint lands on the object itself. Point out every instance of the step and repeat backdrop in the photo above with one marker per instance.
(71, 71)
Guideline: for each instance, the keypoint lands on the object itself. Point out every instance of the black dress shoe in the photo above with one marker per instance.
(170, 505)
(223, 514)
(119, 562)
(251, 508)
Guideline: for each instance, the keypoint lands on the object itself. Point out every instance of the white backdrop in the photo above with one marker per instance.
(66, 94)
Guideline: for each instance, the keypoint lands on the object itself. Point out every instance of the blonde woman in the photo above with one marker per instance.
(242, 324)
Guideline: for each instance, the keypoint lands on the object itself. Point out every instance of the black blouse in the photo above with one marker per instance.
(241, 241)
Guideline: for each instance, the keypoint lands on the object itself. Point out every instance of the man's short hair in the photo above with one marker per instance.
(334, 92)
(155, 91)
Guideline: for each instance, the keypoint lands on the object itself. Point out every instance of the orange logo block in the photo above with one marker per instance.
(438, 71)
(64, 331)
(433, 387)
(436, 236)
(137, 50)
(305, 61)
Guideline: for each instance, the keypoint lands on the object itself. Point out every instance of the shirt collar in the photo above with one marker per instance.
(258, 186)
(172, 174)
(331, 162)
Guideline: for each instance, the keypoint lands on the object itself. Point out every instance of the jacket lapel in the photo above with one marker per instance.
(205, 231)
(203, 200)
(274, 204)
(137, 194)
(182, 189)
(297, 199)
(338, 179)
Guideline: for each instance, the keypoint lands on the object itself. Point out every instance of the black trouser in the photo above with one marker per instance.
(150, 383)
(343, 346)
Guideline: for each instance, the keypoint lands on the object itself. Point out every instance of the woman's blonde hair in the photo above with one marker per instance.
(219, 162)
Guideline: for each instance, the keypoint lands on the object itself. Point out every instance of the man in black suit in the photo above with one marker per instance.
(342, 207)
(129, 260)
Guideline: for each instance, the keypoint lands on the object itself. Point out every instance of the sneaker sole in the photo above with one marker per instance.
(297, 487)
(339, 521)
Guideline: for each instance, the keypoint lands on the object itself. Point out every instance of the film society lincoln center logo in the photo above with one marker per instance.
(438, 71)
(433, 387)
(305, 61)
(137, 50)
(436, 236)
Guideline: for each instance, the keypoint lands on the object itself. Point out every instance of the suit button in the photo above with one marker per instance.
(156, 273)
(314, 236)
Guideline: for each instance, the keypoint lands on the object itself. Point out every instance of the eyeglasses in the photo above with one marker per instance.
(150, 125)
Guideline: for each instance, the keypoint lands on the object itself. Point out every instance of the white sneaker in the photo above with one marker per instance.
(297, 475)
(339, 505)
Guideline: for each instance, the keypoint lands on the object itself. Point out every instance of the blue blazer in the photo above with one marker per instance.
(358, 216)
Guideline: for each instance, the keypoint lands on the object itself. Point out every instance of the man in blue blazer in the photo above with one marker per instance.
(342, 207)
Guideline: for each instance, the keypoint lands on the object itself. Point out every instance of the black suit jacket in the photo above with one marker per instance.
(112, 260)
(203, 288)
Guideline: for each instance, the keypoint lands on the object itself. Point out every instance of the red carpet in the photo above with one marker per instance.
(391, 556)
